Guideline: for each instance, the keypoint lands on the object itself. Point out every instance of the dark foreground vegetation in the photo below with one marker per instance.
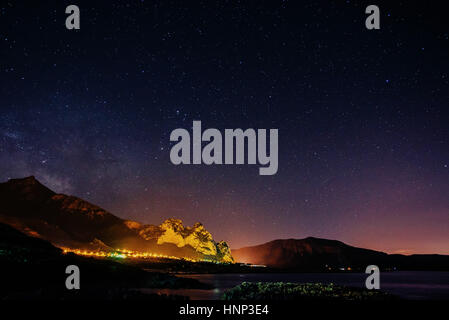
(269, 291)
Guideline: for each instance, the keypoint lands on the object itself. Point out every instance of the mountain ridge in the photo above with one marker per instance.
(70, 221)
(64, 220)
(317, 254)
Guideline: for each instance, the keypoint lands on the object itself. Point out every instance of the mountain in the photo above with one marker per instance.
(314, 254)
(33, 268)
(69, 221)
(15, 245)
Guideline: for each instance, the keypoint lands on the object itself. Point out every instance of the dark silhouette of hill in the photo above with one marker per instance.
(315, 254)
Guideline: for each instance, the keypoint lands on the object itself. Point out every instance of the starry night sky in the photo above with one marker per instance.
(362, 115)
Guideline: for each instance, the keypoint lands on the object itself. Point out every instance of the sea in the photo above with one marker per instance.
(411, 285)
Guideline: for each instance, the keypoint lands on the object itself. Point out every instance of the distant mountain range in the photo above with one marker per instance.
(69, 221)
(314, 254)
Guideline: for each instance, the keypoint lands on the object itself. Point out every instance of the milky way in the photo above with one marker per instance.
(362, 115)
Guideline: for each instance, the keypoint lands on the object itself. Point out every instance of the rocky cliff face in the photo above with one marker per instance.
(172, 231)
(70, 221)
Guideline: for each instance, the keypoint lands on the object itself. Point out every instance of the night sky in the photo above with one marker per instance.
(362, 115)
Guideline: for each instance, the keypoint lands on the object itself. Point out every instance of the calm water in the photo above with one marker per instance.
(418, 285)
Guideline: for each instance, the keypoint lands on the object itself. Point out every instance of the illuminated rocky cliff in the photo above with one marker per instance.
(172, 231)
(72, 222)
